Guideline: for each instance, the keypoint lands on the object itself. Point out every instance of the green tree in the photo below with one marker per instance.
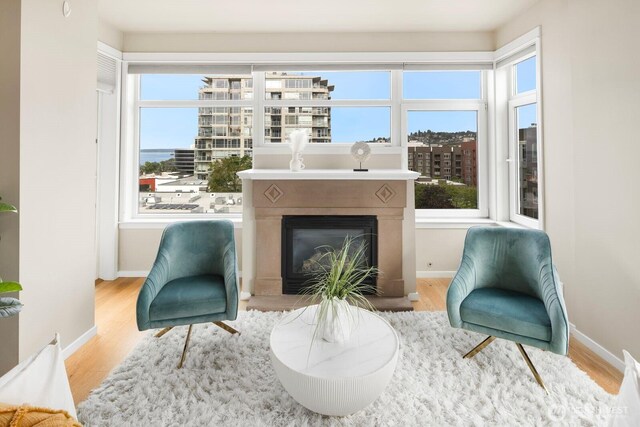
(158, 167)
(429, 196)
(462, 196)
(223, 178)
(446, 196)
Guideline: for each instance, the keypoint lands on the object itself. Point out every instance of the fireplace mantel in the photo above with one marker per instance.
(270, 194)
(328, 174)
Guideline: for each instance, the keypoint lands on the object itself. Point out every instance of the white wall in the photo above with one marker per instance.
(309, 42)
(9, 166)
(591, 89)
(442, 247)
(110, 35)
(138, 248)
(57, 150)
(606, 109)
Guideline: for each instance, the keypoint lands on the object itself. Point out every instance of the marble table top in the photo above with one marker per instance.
(373, 344)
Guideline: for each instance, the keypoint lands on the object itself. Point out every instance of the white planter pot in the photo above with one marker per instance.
(338, 321)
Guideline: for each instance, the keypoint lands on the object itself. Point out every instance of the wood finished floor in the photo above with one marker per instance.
(118, 334)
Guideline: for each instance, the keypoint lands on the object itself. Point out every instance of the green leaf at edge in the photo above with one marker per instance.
(9, 307)
(9, 287)
(6, 207)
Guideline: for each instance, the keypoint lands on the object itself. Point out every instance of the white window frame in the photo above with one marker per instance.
(480, 106)
(262, 147)
(131, 155)
(331, 103)
(521, 49)
(393, 62)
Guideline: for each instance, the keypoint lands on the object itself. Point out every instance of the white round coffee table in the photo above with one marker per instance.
(333, 378)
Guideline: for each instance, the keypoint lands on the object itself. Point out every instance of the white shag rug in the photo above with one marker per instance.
(227, 380)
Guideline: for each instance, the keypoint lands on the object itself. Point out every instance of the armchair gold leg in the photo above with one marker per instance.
(477, 349)
(533, 368)
(164, 331)
(226, 327)
(186, 344)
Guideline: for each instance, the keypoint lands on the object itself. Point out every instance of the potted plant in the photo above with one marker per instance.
(336, 283)
(9, 305)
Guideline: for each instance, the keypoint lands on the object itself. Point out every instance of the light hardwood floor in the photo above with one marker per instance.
(118, 334)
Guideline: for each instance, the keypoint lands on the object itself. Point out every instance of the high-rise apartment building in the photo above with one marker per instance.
(227, 131)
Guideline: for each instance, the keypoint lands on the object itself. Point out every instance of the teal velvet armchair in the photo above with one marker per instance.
(507, 287)
(194, 279)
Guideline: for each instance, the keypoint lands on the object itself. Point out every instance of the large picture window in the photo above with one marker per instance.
(192, 132)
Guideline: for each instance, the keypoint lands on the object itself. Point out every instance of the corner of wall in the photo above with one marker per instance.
(110, 35)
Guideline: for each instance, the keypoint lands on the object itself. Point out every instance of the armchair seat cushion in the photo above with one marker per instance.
(508, 311)
(189, 296)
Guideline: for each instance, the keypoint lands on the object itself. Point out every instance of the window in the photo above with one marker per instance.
(524, 142)
(527, 169)
(337, 106)
(436, 120)
(181, 116)
(525, 72)
(444, 115)
(437, 135)
(442, 85)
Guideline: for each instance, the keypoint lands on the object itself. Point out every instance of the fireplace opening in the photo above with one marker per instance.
(305, 237)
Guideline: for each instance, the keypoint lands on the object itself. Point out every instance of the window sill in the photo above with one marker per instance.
(421, 223)
(452, 223)
(335, 148)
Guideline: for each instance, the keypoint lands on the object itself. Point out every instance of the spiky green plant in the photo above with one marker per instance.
(9, 305)
(340, 274)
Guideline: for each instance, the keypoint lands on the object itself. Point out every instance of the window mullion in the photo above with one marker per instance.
(396, 114)
(258, 108)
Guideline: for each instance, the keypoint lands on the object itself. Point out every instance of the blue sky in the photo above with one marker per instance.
(177, 127)
(526, 81)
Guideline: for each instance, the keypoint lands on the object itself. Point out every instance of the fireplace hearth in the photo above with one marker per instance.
(305, 238)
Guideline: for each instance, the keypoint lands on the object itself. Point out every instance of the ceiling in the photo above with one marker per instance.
(278, 16)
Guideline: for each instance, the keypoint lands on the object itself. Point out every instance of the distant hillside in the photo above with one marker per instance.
(444, 138)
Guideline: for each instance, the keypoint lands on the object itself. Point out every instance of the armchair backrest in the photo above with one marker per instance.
(197, 247)
(509, 258)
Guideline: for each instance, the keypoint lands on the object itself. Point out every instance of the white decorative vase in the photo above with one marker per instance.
(298, 140)
(338, 322)
(296, 165)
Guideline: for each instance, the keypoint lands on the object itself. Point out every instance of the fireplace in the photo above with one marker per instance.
(306, 237)
(271, 194)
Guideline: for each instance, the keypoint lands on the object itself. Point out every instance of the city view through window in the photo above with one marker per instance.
(189, 157)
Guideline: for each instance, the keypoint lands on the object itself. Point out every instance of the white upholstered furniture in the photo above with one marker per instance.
(332, 378)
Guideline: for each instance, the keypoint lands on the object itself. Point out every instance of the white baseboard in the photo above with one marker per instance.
(609, 357)
(434, 274)
(144, 273)
(79, 342)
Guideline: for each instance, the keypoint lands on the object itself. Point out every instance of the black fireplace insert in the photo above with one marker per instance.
(305, 237)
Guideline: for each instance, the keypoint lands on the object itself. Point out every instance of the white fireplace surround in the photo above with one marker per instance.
(386, 179)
